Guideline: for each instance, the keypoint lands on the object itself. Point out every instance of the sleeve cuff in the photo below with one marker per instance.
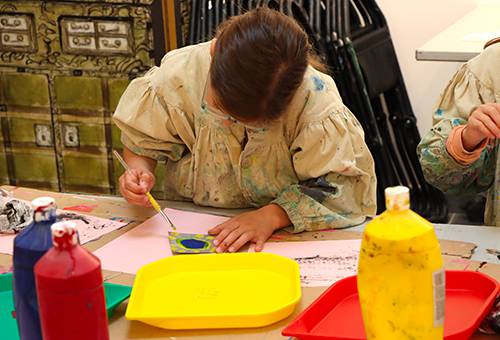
(288, 200)
(456, 149)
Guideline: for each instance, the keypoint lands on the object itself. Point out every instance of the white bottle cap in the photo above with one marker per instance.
(43, 202)
(397, 198)
(64, 234)
(44, 209)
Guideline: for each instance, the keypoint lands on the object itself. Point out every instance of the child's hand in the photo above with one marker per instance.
(484, 122)
(255, 226)
(134, 184)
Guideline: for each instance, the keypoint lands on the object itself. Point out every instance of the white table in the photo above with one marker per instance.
(466, 38)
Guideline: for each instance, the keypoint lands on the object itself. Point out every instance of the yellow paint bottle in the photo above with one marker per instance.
(400, 275)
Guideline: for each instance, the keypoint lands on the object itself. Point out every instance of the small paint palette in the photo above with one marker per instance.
(181, 243)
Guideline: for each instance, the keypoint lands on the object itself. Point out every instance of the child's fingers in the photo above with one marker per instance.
(131, 197)
(135, 199)
(146, 180)
(490, 120)
(491, 126)
(225, 231)
(493, 112)
(132, 182)
(483, 128)
(240, 242)
(259, 245)
(228, 240)
(215, 230)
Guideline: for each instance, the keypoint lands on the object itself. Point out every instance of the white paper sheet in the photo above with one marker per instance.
(321, 262)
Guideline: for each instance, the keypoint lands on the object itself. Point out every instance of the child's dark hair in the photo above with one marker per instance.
(258, 64)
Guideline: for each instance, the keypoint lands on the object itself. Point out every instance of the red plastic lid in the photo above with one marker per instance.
(336, 314)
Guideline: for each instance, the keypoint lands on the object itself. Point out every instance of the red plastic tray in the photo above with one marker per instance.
(336, 314)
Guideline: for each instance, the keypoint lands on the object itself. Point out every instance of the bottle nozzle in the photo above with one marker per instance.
(64, 234)
(44, 208)
(397, 198)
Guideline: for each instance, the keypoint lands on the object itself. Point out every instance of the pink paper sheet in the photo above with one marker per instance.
(321, 262)
(148, 242)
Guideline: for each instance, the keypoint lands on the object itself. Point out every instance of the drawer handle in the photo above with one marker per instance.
(19, 38)
(82, 41)
(5, 22)
(108, 44)
(113, 29)
(77, 26)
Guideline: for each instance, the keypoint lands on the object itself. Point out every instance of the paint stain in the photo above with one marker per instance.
(81, 208)
(192, 243)
(319, 84)
(121, 219)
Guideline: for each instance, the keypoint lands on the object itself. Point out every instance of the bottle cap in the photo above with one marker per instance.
(64, 234)
(397, 198)
(44, 208)
(42, 203)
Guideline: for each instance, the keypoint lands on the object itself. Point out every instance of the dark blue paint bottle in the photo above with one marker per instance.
(29, 246)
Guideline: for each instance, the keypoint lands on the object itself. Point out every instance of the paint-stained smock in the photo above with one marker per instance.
(313, 162)
(476, 82)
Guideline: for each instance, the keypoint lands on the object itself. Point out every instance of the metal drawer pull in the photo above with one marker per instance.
(15, 40)
(76, 26)
(108, 44)
(19, 38)
(82, 41)
(5, 22)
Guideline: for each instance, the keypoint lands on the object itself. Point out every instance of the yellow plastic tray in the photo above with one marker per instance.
(215, 291)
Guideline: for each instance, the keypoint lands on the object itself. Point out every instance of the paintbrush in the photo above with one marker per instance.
(155, 204)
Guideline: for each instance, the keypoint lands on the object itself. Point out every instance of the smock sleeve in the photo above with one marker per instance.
(150, 127)
(337, 183)
(464, 93)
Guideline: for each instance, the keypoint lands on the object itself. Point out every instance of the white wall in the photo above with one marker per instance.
(412, 23)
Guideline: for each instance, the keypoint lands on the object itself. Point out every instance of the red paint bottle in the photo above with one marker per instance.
(70, 289)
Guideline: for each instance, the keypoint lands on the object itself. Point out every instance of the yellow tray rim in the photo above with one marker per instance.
(292, 303)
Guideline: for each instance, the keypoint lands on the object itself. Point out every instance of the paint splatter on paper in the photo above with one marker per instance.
(85, 208)
(89, 228)
(321, 262)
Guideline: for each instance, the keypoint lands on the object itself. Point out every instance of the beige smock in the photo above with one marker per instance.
(313, 162)
(476, 82)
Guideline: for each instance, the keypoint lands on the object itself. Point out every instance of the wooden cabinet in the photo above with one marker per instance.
(63, 68)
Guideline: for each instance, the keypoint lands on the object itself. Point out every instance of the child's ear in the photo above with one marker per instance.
(212, 47)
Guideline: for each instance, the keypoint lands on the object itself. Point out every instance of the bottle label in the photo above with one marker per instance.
(438, 284)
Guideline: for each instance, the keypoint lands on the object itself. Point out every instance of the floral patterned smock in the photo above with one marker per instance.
(313, 162)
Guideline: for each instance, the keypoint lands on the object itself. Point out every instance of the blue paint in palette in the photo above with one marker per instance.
(182, 243)
(192, 243)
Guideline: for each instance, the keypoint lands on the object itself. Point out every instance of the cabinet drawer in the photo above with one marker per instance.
(35, 168)
(110, 44)
(14, 22)
(82, 43)
(17, 33)
(109, 27)
(96, 36)
(16, 39)
(75, 26)
(85, 172)
(26, 90)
